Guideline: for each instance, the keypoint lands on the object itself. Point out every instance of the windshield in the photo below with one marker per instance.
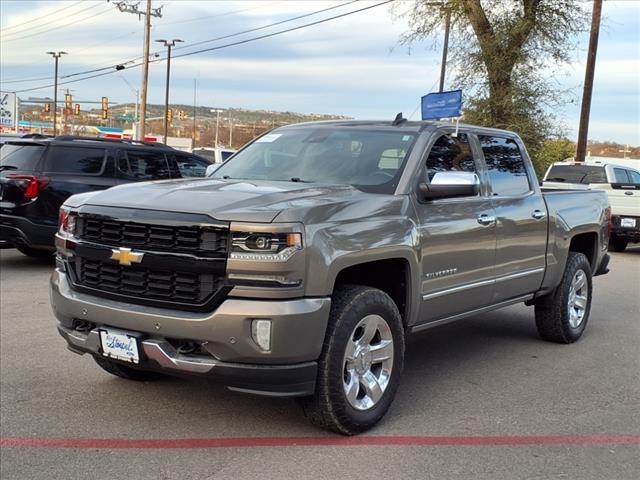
(577, 174)
(369, 160)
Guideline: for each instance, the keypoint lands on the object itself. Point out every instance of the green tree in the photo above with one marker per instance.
(551, 151)
(502, 53)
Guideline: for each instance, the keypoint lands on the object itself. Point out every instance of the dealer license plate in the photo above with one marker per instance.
(628, 222)
(119, 345)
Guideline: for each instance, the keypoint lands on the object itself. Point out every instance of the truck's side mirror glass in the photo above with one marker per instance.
(450, 184)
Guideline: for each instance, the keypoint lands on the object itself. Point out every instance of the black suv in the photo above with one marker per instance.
(37, 175)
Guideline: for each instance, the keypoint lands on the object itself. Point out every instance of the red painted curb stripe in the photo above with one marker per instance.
(115, 443)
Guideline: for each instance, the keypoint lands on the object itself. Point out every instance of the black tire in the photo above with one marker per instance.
(329, 408)
(129, 373)
(553, 318)
(618, 244)
(34, 252)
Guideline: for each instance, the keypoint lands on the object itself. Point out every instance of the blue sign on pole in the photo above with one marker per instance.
(442, 105)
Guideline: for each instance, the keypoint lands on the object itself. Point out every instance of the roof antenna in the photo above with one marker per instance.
(398, 120)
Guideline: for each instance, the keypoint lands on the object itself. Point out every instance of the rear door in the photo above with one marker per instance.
(521, 217)
(457, 237)
(624, 194)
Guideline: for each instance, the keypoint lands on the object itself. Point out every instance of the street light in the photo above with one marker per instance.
(217, 112)
(168, 44)
(56, 56)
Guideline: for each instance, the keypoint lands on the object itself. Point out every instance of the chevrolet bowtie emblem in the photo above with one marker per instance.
(124, 256)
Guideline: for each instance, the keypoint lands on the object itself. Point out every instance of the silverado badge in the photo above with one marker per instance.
(124, 256)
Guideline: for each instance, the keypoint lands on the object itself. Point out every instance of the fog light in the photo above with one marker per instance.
(261, 333)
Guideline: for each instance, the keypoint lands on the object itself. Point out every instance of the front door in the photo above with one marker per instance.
(457, 237)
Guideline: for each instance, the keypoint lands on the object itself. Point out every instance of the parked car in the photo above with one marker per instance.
(300, 267)
(38, 174)
(214, 155)
(622, 185)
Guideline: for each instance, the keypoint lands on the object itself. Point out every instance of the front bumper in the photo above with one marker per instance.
(16, 230)
(224, 335)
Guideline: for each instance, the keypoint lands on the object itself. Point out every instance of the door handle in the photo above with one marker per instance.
(485, 219)
(628, 193)
(538, 214)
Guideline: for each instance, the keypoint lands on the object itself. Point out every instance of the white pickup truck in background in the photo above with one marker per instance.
(622, 184)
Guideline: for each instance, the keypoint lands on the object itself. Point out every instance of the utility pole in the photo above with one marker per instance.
(217, 112)
(193, 134)
(56, 56)
(588, 81)
(445, 47)
(123, 6)
(230, 132)
(169, 44)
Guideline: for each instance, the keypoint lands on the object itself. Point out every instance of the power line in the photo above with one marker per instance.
(47, 16)
(267, 26)
(219, 47)
(63, 25)
(224, 14)
(100, 69)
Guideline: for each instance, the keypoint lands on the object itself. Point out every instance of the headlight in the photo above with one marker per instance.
(66, 231)
(266, 247)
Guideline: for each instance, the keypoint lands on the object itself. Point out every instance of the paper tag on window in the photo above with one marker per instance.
(269, 138)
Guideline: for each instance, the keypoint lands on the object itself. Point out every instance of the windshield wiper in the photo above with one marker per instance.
(7, 167)
(298, 180)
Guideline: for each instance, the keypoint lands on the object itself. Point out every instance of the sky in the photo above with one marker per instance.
(351, 66)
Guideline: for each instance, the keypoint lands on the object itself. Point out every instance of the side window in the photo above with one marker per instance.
(620, 175)
(191, 166)
(634, 176)
(505, 166)
(450, 154)
(75, 160)
(142, 165)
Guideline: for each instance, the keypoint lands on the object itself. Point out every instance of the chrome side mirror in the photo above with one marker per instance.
(450, 184)
(211, 168)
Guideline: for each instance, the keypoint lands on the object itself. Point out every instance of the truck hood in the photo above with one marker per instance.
(225, 200)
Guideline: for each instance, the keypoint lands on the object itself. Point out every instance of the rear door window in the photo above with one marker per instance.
(634, 176)
(75, 160)
(620, 175)
(505, 165)
(23, 157)
(138, 165)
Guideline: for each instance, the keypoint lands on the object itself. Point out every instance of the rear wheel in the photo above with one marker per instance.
(562, 316)
(34, 252)
(618, 244)
(129, 373)
(361, 362)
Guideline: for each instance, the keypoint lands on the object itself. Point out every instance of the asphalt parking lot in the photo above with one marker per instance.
(482, 398)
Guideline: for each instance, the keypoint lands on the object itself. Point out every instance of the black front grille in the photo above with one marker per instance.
(143, 283)
(200, 240)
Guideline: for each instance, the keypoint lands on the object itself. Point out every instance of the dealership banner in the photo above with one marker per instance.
(8, 110)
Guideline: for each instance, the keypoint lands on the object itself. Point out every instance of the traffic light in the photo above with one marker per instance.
(181, 114)
(47, 107)
(169, 115)
(67, 101)
(76, 109)
(105, 108)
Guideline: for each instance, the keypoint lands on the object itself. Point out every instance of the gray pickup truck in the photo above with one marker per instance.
(301, 265)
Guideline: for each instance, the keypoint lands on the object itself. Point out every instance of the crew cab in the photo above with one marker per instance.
(303, 263)
(37, 174)
(620, 182)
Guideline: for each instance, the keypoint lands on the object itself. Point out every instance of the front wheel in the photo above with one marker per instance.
(562, 316)
(361, 362)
